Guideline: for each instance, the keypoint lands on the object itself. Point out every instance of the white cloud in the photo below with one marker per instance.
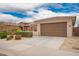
(8, 18)
(27, 20)
(18, 7)
(13, 19)
(44, 13)
(57, 5)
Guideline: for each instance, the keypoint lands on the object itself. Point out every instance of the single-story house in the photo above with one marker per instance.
(61, 26)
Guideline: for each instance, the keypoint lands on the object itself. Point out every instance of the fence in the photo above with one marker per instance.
(76, 31)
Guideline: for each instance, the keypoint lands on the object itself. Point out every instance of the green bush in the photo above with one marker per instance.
(18, 30)
(25, 33)
(3, 35)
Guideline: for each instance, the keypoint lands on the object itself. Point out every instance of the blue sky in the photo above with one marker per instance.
(17, 14)
(33, 11)
(54, 7)
(63, 7)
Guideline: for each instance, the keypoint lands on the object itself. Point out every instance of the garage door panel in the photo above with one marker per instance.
(54, 29)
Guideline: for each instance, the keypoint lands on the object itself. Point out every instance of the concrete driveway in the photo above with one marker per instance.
(43, 41)
(38, 45)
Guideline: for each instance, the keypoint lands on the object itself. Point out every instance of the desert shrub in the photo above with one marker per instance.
(10, 37)
(25, 33)
(3, 35)
(17, 37)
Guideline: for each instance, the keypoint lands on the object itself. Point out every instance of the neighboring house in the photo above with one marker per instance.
(61, 26)
(24, 26)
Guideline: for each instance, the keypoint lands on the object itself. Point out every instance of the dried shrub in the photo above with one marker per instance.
(10, 37)
(17, 37)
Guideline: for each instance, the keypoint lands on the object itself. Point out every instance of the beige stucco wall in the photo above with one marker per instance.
(37, 33)
(69, 28)
(65, 19)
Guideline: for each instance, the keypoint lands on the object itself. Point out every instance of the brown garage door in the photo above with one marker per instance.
(54, 29)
